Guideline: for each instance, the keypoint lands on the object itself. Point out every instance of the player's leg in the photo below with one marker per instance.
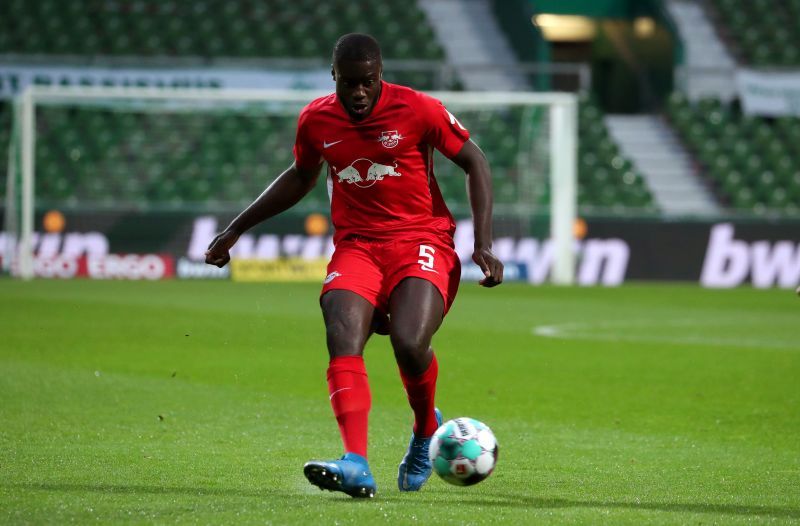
(416, 308)
(348, 319)
(424, 282)
(348, 299)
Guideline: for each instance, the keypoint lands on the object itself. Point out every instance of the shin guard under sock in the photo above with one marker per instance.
(421, 391)
(351, 401)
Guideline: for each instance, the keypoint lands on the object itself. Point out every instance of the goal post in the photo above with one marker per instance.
(27, 129)
(563, 184)
(557, 154)
(11, 214)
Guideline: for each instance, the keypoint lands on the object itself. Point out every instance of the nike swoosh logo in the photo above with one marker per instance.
(337, 391)
(327, 145)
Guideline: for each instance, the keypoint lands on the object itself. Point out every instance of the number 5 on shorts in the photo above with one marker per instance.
(426, 258)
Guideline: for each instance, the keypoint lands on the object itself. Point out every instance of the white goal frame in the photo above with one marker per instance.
(563, 148)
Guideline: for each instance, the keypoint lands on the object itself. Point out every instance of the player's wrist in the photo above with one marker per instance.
(234, 230)
(482, 245)
(242, 223)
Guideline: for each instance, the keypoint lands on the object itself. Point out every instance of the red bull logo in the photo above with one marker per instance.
(365, 173)
(390, 139)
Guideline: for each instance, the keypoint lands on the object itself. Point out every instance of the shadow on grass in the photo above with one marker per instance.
(499, 500)
(530, 501)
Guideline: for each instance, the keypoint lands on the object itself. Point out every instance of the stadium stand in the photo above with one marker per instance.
(752, 163)
(196, 157)
(302, 28)
(220, 157)
(210, 29)
(764, 32)
(606, 179)
(228, 158)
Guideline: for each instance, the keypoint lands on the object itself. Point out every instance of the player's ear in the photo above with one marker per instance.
(333, 73)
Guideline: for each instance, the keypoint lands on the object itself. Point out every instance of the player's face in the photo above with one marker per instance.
(358, 86)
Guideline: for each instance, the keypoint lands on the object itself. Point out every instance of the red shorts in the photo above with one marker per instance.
(372, 269)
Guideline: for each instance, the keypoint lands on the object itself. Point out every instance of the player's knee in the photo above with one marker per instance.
(409, 345)
(342, 340)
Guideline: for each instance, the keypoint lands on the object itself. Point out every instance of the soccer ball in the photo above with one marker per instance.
(463, 451)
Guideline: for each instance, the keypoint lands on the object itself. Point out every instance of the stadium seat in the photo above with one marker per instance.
(752, 163)
(606, 179)
(765, 32)
(299, 28)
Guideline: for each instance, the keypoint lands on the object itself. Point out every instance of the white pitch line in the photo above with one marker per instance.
(582, 331)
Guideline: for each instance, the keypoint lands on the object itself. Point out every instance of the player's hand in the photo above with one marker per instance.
(491, 266)
(218, 252)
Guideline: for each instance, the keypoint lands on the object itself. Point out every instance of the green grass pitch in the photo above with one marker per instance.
(199, 402)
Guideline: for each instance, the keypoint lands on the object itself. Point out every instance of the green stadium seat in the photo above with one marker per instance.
(766, 32)
(744, 199)
(214, 29)
(749, 161)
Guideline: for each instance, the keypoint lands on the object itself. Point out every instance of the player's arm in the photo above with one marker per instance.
(479, 187)
(282, 194)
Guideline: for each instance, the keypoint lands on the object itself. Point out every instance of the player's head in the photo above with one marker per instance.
(357, 69)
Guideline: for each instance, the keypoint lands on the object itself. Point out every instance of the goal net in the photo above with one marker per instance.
(144, 151)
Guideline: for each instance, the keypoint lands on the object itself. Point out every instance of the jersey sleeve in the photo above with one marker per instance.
(305, 154)
(443, 131)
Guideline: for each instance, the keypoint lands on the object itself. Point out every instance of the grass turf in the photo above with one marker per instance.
(199, 402)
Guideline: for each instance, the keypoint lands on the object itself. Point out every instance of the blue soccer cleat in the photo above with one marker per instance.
(350, 474)
(416, 466)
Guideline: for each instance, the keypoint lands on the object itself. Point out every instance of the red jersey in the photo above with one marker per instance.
(380, 169)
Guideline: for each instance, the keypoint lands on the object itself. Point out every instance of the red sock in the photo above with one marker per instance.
(351, 400)
(421, 390)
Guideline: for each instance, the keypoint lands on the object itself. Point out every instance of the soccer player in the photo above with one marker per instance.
(394, 269)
